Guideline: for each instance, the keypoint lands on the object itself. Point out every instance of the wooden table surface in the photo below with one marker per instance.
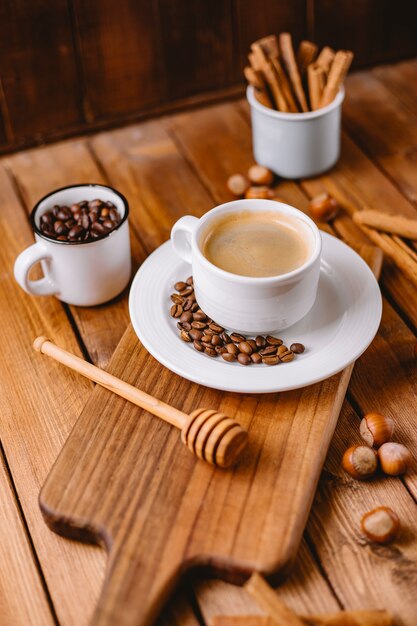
(169, 167)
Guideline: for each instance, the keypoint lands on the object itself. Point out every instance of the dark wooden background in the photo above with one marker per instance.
(69, 66)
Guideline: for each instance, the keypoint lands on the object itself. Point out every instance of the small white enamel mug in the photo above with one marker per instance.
(80, 273)
(245, 304)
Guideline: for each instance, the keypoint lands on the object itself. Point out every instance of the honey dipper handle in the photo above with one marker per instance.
(112, 383)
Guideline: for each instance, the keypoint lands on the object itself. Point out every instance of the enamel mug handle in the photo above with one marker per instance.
(23, 264)
(181, 234)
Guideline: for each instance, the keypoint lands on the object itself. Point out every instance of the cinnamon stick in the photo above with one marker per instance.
(290, 63)
(307, 52)
(395, 224)
(284, 83)
(255, 79)
(269, 601)
(325, 58)
(394, 251)
(412, 253)
(262, 61)
(316, 77)
(341, 618)
(337, 73)
(269, 44)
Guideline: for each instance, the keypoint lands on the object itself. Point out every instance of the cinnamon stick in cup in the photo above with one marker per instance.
(307, 52)
(290, 63)
(255, 79)
(264, 65)
(284, 84)
(316, 77)
(337, 73)
(325, 58)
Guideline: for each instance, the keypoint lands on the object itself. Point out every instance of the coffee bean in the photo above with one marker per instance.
(244, 359)
(245, 347)
(273, 341)
(208, 330)
(55, 210)
(187, 291)
(236, 338)
(186, 317)
(177, 299)
(252, 344)
(187, 303)
(184, 326)
(85, 222)
(62, 238)
(104, 213)
(176, 310)
(210, 351)
(232, 349)
(199, 315)
(225, 337)
(206, 338)
(220, 349)
(98, 228)
(180, 286)
(194, 307)
(197, 345)
(198, 325)
(284, 354)
(185, 336)
(95, 203)
(195, 334)
(114, 216)
(270, 360)
(268, 350)
(46, 218)
(260, 341)
(74, 208)
(189, 280)
(298, 348)
(256, 358)
(216, 327)
(216, 341)
(227, 356)
(64, 213)
(70, 223)
(60, 228)
(206, 344)
(75, 231)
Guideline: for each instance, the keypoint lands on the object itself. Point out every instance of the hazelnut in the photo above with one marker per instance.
(360, 462)
(376, 429)
(394, 458)
(256, 193)
(259, 175)
(323, 208)
(381, 524)
(237, 184)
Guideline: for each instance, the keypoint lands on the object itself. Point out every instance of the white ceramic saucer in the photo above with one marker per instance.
(340, 326)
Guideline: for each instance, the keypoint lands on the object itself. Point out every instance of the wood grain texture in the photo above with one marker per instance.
(22, 597)
(119, 54)
(39, 75)
(146, 559)
(400, 79)
(38, 409)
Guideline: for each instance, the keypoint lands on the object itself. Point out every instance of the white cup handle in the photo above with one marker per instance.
(24, 262)
(181, 234)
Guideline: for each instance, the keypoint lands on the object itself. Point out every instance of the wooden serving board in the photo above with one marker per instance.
(124, 479)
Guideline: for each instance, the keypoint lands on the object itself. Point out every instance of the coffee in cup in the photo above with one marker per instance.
(255, 243)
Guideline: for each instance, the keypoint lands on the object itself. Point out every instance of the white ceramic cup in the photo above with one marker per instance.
(84, 274)
(296, 145)
(245, 304)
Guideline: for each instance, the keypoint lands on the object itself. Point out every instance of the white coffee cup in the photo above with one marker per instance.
(246, 304)
(80, 273)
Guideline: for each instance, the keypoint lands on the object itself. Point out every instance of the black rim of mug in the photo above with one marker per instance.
(77, 243)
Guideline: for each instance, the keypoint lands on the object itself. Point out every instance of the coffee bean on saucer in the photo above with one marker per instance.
(298, 348)
(273, 341)
(227, 356)
(216, 327)
(195, 308)
(198, 346)
(186, 316)
(210, 351)
(177, 299)
(190, 280)
(284, 354)
(268, 351)
(215, 340)
(225, 337)
(244, 359)
(195, 334)
(187, 291)
(185, 336)
(199, 316)
(198, 325)
(245, 347)
(206, 338)
(184, 326)
(236, 338)
(232, 349)
(206, 344)
(252, 344)
(176, 310)
(220, 350)
(180, 286)
(256, 358)
(187, 304)
(270, 360)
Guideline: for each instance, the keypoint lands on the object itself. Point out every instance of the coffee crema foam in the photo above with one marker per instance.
(255, 244)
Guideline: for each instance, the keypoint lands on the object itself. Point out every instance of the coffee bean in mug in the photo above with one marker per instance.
(82, 243)
(255, 264)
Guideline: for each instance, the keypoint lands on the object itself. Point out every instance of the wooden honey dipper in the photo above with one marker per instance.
(209, 434)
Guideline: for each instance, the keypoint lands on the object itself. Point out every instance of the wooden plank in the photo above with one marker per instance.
(376, 32)
(384, 128)
(119, 55)
(196, 46)
(23, 599)
(38, 408)
(39, 73)
(40, 171)
(256, 18)
(401, 80)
